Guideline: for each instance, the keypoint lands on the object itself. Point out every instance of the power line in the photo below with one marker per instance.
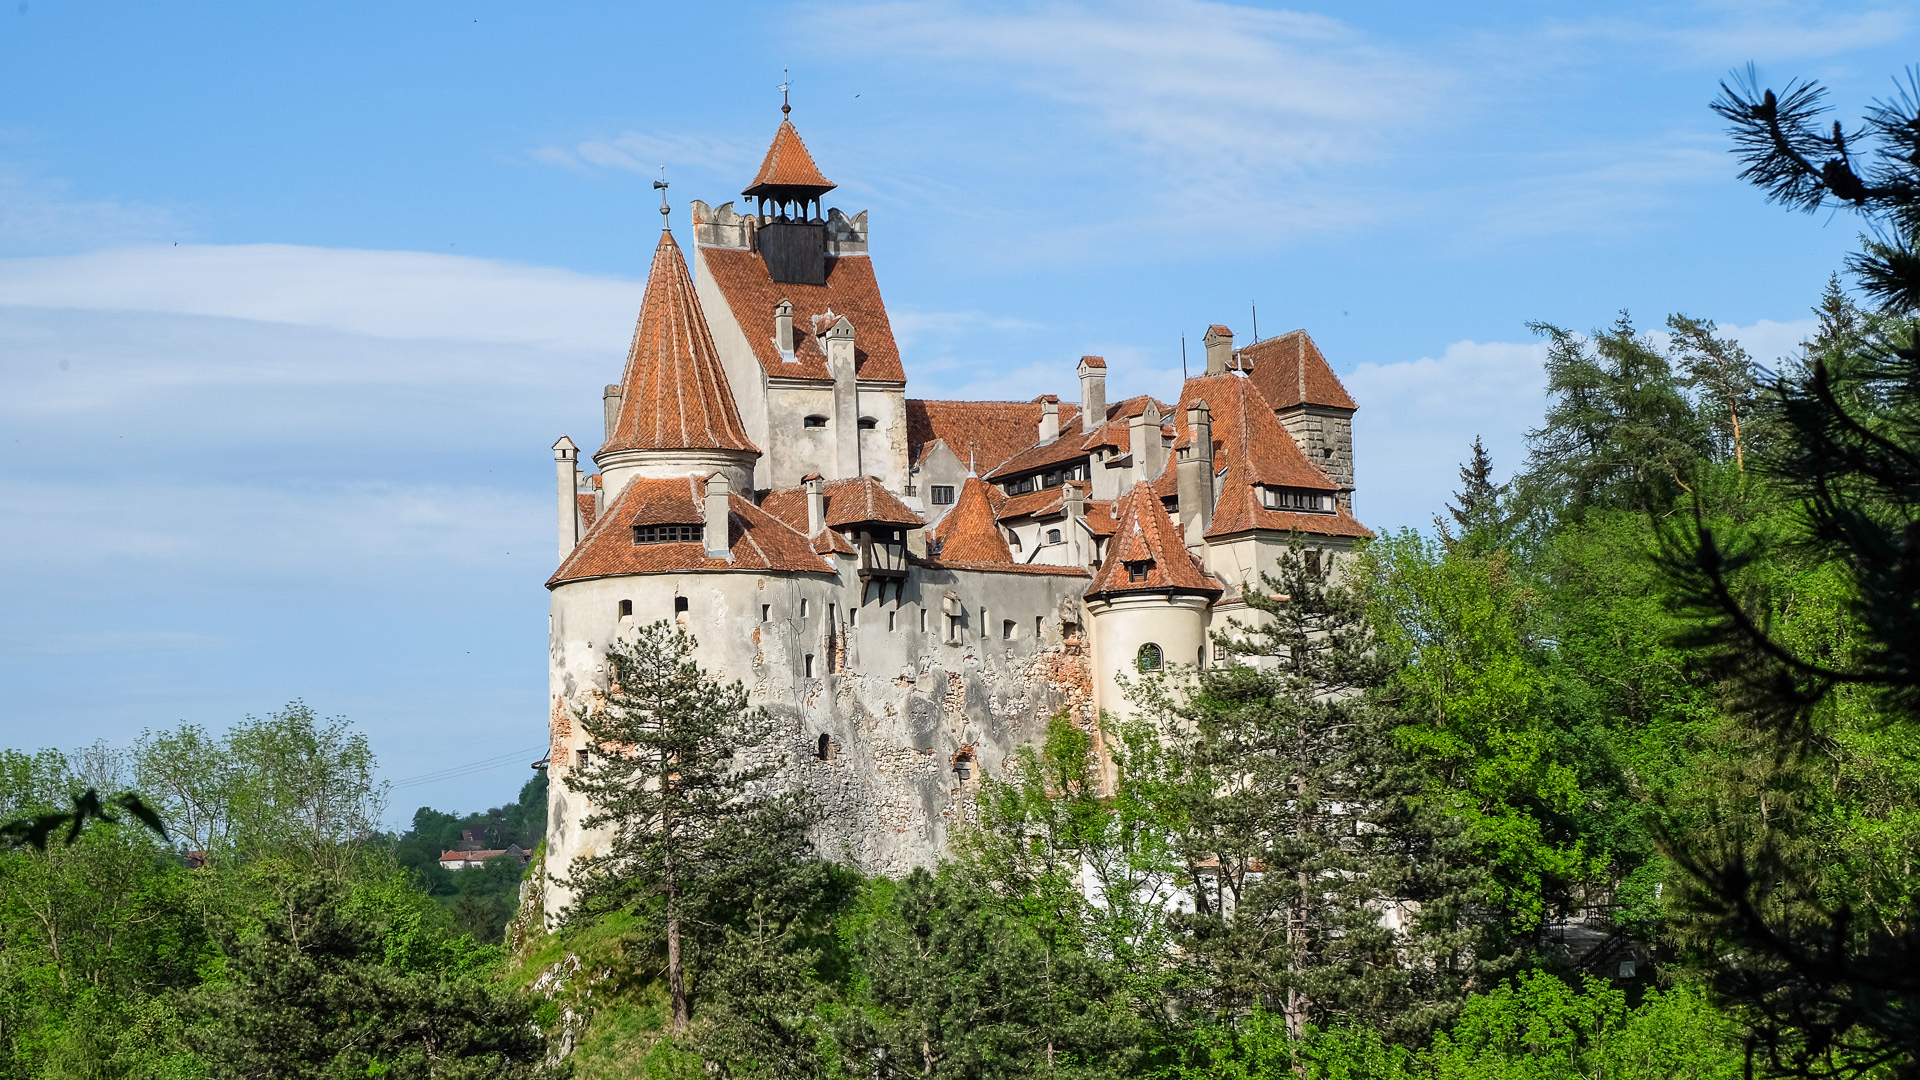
(452, 772)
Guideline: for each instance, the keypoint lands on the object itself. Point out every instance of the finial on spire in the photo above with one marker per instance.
(660, 186)
(785, 108)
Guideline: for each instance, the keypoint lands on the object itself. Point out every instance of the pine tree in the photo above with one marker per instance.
(675, 774)
(1479, 508)
(1275, 790)
(1825, 977)
(1719, 369)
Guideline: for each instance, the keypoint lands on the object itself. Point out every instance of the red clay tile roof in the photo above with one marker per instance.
(849, 502)
(1033, 503)
(674, 394)
(1041, 455)
(1253, 447)
(851, 290)
(983, 433)
(970, 533)
(1290, 371)
(1147, 535)
(1094, 361)
(1004, 568)
(1246, 434)
(584, 503)
(1239, 510)
(1100, 517)
(1113, 433)
(788, 165)
(757, 539)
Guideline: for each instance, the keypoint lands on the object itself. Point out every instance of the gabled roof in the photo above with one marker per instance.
(970, 532)
(788, 168)
(1145, 534)
(674, 393)
(1056, 451)
(984, 433)
(851, 290)
(1114, 433)
(756, 539)
(1251, 448)
(861, 499)
(1290, 371)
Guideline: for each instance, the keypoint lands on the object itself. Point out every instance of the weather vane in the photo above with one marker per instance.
(785, 109)
(660, 186)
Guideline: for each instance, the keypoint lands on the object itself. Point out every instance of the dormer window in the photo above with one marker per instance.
(1137, 571)
(1296, 500)
(667, 534)
(815, 421)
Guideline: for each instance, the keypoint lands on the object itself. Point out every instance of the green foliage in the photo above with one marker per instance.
(484, 899)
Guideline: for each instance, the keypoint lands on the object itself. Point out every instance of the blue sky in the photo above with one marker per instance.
(294, 300)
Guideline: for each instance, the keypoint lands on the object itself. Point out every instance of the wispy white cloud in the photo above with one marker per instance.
(1214, 103)
(645, 152)
(390, 294)
(1734, 33)
(39, 214)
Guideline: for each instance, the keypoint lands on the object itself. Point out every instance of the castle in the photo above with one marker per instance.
(910, 587)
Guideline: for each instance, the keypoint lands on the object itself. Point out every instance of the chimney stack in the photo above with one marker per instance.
(1049, 418)
(610, 404)
(1144, 443)
(1093, 392)
(816, 505)
(783, 329)
(1195, 474)
(838, 343)
(717, 509)
(566, 462)
(1074, 501)
(1219, 343)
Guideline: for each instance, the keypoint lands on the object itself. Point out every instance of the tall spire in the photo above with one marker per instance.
(674, 394)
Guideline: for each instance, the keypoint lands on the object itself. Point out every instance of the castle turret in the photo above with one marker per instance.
(676, 411)
(1148, 604)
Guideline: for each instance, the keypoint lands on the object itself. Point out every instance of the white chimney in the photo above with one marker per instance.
(783, 329)
(816, 504)
(566, 463)
(1219, 343)
(716, 516)
(1093, 392)
(1049, 418)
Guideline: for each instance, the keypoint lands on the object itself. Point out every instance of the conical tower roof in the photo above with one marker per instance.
(1147, 554)
(788, 170)
(674, 394)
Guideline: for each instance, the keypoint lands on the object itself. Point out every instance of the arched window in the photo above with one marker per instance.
(868, 423)
(1149, 658)
(823, 748)
(1053, 536)
(815, 421)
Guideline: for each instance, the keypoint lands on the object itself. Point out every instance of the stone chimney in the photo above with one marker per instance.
(610, 404)
(838, 343)
(816, 504)
(1219, 343)
(717, 509)
(783, 330)
(1049, 418)
(1143, 442)
(566, 463)
(1074, 502)
(1093, 392)
(1195, 474)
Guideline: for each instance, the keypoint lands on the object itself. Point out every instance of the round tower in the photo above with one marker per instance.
(1148, 603)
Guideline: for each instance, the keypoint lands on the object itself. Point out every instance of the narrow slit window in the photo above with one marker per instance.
(766, 612)
(626, 608)
(823, 748)
(1039, 621)
(803, 607)
(893, 620)
(1007, 627)
(923, 620)
(853, 616)
(807, 666)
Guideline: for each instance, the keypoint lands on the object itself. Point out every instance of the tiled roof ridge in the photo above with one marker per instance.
(1146, 534)
(1291, 370)
(674, 391)
(756, 539)
(788, 165)
(970, 532)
